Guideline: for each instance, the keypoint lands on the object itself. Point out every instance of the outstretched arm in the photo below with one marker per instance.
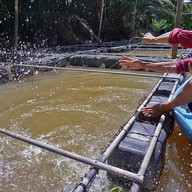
(175, 66)
(148, 38)
(132, 63)
(184, 97)
(178, 66)
(174, 37)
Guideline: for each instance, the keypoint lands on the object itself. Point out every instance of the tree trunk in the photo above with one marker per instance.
(101, 18)
(16, 23)
(177, 23)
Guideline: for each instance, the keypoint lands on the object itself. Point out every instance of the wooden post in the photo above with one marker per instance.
(134, 18)
(177, 23)
(16, 23)
(101, 18)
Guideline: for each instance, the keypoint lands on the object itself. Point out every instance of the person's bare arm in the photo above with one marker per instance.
(132, 63)
(184, 97)
(148, 38)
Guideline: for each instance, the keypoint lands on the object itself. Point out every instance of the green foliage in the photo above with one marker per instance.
(146, 11)
(186, 21)
(114, 189)
(121, 17)
(159, 25)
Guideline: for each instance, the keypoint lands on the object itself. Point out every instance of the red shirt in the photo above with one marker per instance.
(180, 36)
(183, 65)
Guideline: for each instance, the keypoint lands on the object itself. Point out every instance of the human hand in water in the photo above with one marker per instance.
(156, 110)
(152, 111)
(130, 63)
(148, 38)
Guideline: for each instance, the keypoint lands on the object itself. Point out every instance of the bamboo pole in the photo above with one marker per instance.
(177, 23)
(134, 18)
(101, 18)
(16, 23)
(97, 71)
(147, 157)
(91, 174)
(95, 163)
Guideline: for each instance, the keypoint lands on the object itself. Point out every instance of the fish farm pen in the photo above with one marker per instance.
(136, 153)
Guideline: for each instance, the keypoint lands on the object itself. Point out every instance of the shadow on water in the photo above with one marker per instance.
(78, 112)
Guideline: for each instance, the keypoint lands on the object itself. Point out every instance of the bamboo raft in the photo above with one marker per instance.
(139, 140)
(139, 145)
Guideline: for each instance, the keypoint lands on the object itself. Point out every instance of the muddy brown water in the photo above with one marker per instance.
(79, 112)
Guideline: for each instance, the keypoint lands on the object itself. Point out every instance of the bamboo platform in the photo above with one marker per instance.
(140, 141)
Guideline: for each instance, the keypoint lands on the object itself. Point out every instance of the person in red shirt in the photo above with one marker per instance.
(174, 37)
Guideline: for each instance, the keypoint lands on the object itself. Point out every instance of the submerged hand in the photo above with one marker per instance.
(152, 111)
(130, 63)
(157, 109)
